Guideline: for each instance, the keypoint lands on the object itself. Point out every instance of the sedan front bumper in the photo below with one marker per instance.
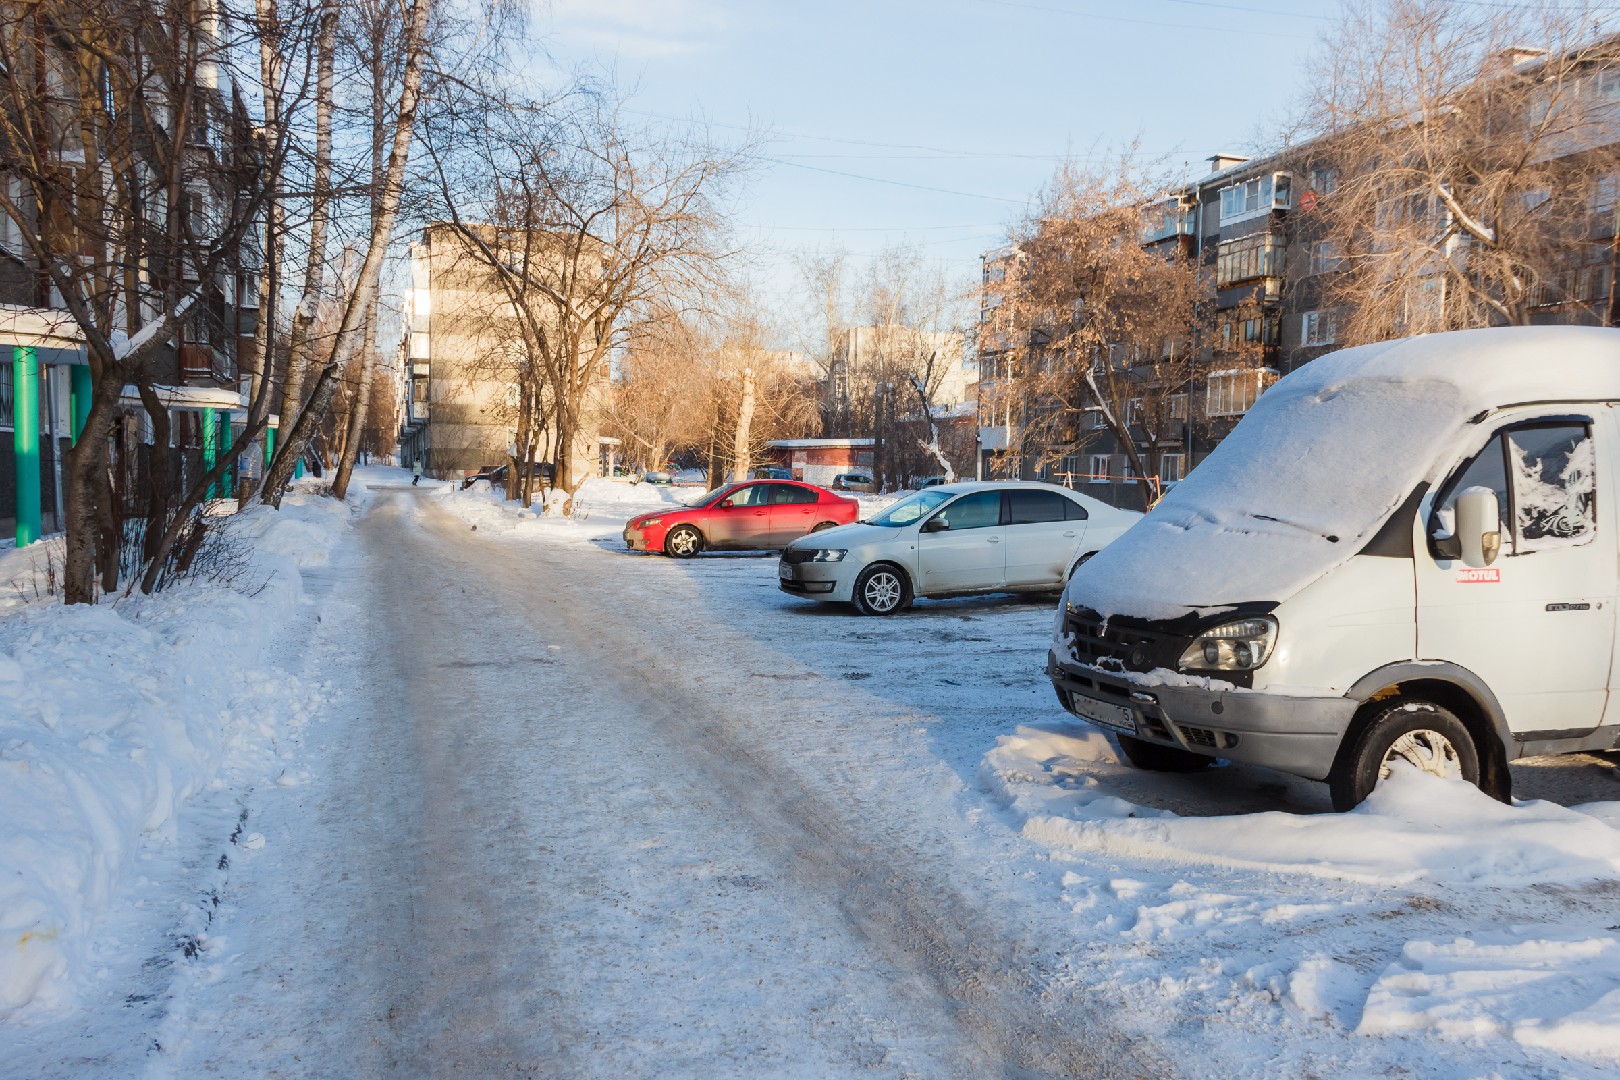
(817, 580)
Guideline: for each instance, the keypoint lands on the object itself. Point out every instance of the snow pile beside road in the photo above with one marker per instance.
(1548, 986)
(111, 716)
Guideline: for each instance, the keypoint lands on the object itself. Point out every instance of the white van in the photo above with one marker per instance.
(1406, 551)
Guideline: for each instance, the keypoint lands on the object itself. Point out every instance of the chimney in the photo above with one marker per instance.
(1218, 162)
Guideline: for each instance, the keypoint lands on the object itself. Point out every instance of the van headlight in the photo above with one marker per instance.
(1241, 645)
(829, 555)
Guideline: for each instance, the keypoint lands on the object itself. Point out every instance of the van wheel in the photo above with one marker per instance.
(1417, 732)
(1155, 758)
(881, 589)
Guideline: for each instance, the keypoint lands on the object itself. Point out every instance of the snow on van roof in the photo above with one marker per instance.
(1322, 460)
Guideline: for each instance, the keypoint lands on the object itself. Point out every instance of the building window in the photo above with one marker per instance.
(1133, 412)
(1324, 257)
(1170, 466)
(1099, 468)
(8, 398)
(1319, 328)
(1233, 393)
(1608, 84)
(1252, 198)
(1249, 257)
(1178, 406)
(1070, 467)
(1241, 333)
(1095, 420)
(1324, 180)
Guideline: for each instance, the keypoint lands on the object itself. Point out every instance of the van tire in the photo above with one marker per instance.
(1439, 742)
(1151, 757)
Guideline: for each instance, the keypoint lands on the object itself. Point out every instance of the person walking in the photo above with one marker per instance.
(416, 471)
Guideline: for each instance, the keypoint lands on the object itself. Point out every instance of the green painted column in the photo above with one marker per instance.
(81, 390)
(210, 444)
(25, 437)
(269, 444)
(298, 468)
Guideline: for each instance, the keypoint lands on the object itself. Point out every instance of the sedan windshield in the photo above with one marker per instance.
(713, 497)
(911, 508)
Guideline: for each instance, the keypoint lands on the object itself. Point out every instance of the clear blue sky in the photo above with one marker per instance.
(933, 121)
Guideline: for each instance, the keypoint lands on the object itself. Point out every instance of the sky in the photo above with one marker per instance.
(933, 122)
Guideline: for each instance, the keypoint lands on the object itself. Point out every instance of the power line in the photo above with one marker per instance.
(898, 183)
(871, 228)
(1245, 30)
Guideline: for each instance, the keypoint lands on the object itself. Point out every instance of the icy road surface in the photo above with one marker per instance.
(581, 823)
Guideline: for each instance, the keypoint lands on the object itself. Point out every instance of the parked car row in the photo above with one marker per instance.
(947, 540)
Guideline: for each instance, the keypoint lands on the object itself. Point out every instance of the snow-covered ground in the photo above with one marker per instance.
(114, 719)
(482, 790)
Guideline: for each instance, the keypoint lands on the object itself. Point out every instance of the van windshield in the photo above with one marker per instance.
(911, 508)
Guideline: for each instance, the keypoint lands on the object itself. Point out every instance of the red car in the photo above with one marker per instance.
(761, 514)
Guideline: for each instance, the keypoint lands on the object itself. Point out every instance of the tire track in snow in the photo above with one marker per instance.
(983, 985)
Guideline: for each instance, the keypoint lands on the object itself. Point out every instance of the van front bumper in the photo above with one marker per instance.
(1295, 734)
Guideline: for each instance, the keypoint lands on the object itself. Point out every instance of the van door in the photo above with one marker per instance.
(1537, 625)
(967, 553)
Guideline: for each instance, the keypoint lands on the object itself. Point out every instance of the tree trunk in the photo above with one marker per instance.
(364, 296)
(358, 413)
(315, 270)
(745, 420)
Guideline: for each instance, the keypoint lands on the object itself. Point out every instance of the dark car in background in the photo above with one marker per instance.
(544, 472)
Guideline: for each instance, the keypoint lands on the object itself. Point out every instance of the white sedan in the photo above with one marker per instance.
(953, 540)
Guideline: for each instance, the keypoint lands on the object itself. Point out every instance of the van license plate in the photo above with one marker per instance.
(1109, 715)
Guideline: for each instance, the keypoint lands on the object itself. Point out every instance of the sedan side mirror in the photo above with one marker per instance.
(726, 504)
(935, 525)
(1479, 526)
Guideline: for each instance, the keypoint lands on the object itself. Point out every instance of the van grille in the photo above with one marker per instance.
(1127, 648)
(1198, 736)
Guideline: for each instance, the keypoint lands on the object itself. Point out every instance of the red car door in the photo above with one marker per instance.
(794, 512)
(742, 519)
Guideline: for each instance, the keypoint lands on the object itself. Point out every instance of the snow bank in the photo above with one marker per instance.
(1557, 993)
(111, 716)
(1550, 987)
(1323, 459)
(1412, 827)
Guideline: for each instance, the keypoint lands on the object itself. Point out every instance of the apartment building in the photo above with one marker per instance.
(1255, 228)
(45, 380)
(462, 350)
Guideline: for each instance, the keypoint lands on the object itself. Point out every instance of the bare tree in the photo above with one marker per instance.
(416, 18)
(136, 179)
(1090, 331)
(589, 227)
(1463, 152)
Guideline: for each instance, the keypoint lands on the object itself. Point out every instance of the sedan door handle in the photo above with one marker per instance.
(1071, 532)
(759, 513)
(995, 539)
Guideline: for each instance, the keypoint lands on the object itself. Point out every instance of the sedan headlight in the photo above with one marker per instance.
(645, 522)
(829, 555)
(1242, 645)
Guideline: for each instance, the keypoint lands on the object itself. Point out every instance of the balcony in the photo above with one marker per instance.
(199, 361)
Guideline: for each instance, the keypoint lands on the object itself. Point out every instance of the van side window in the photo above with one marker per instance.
(1554, 486)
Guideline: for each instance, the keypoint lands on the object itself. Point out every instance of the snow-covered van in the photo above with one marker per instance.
(1405, 551)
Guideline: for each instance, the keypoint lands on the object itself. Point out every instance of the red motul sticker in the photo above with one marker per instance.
(1471, 576)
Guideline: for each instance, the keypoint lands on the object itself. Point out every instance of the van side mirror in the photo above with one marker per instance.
(1479, 526)
(935, 525)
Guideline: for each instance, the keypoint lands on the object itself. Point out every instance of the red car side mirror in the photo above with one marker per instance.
(726, 504)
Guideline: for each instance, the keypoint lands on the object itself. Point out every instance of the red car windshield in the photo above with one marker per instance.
(713, 497)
